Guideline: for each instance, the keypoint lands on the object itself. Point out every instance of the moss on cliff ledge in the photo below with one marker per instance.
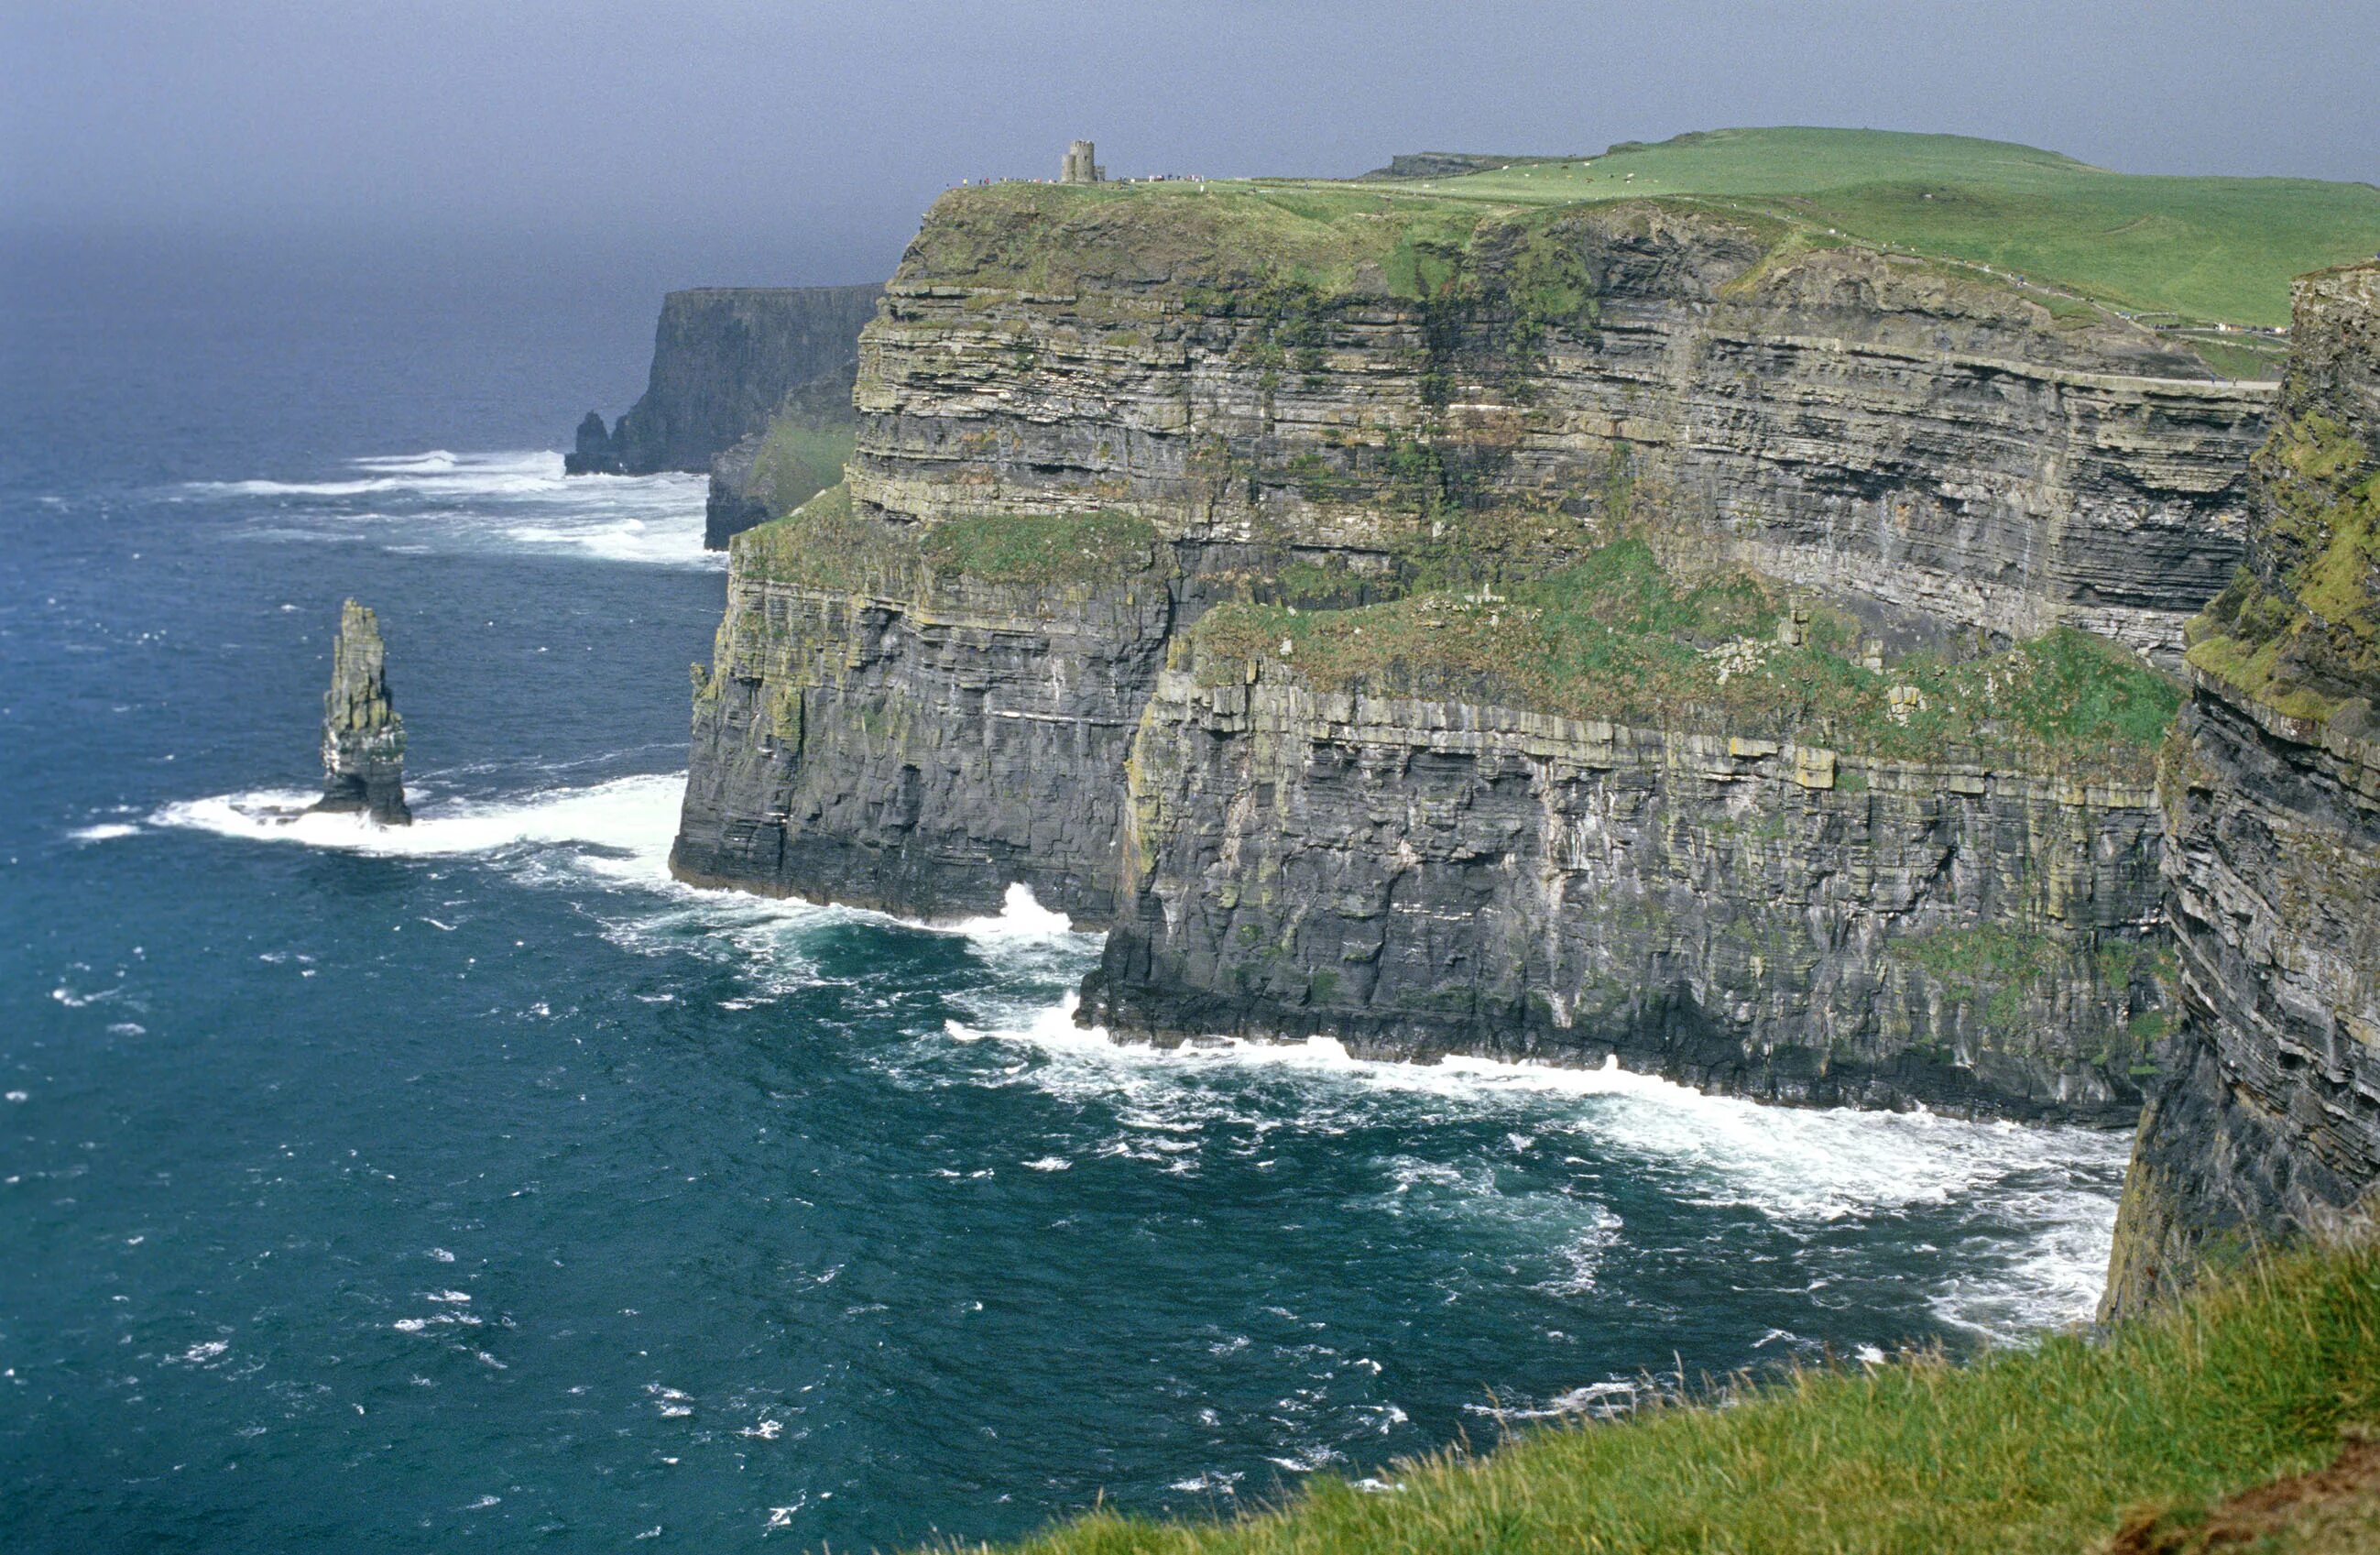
(802, 453)
(1616, 636)
(826, 544)
(2302, 634)
(2051, 1449)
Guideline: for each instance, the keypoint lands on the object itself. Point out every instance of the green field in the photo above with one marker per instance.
(2049, 1448)
(2204, 249)
(2182, 253)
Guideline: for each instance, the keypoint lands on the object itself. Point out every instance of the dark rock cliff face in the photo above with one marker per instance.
(731, 505)
(363, 739)
(2271, 786)
(1421, 875)
(725, 361)
(1415, 878)
(916, 741)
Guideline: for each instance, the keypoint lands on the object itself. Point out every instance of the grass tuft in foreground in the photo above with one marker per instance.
(2050, 1449)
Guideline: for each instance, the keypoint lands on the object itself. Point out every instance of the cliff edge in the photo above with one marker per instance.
(2270, 1125)
(1636, 628)
(752, 384)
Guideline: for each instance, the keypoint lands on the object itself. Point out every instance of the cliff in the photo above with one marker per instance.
(914, 723)
(2271, 788)
(1171, 579)
(1416, 874)
(1385, 378)
(363, 739)
(731, 365)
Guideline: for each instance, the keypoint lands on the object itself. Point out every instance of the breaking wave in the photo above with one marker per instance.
(516, 501)
(2034, 1207)
(2043, 1199)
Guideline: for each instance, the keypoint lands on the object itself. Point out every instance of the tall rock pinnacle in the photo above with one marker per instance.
(363, 739)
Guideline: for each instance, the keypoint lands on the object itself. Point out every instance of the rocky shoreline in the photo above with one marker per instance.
(1083, 431)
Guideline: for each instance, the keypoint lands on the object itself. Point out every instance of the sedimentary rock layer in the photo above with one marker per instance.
(2271, 787)
(1482, 403)
(1849, 420)
(1418, 877)
(915, 740)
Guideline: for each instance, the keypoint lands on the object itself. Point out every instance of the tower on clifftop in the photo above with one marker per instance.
(1080, 166)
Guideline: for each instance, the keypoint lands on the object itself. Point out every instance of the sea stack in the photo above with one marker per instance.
(363, 739)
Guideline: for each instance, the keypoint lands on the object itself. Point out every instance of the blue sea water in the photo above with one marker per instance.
(477, 1184)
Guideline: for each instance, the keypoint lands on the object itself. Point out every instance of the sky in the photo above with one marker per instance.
(793, 142)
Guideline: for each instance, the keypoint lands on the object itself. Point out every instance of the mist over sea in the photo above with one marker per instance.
(363, 1190)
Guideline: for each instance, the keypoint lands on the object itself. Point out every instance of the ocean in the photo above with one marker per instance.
(477, 1182)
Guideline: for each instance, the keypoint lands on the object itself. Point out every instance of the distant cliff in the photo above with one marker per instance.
(2271, 789)
(730, 366)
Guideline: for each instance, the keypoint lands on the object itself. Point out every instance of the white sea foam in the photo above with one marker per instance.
(107, 831)
(1021, 919)
(2052, 1191)
(633, 816)
(617, 834)
(512, 500)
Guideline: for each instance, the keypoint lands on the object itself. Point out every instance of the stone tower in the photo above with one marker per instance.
(363, 739)
(1080, 166)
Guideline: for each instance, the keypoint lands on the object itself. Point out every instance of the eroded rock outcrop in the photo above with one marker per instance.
(2271, 788)
(1845, 418)
(363, 738)
(914, 726)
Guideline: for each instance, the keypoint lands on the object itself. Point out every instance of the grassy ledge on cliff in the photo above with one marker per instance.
(825, 546)
(1616, 636)
(2298, 628)
(2143, 1440)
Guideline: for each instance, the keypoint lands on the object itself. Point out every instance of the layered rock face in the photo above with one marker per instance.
(879, 728)
(1416, 877)
(363, 739)
(1841, 417)
(2271, 786)
(1748, 906)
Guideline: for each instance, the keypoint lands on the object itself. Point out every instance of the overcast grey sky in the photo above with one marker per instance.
(817, 132)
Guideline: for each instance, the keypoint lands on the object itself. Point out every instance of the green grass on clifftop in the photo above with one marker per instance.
(2022, 1453)
(2181, 250)
(1617, 637)
(2214, 249)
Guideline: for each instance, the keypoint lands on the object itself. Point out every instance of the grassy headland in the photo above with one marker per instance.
(2202, 248)
(2182, 253)
(2054, 1448)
